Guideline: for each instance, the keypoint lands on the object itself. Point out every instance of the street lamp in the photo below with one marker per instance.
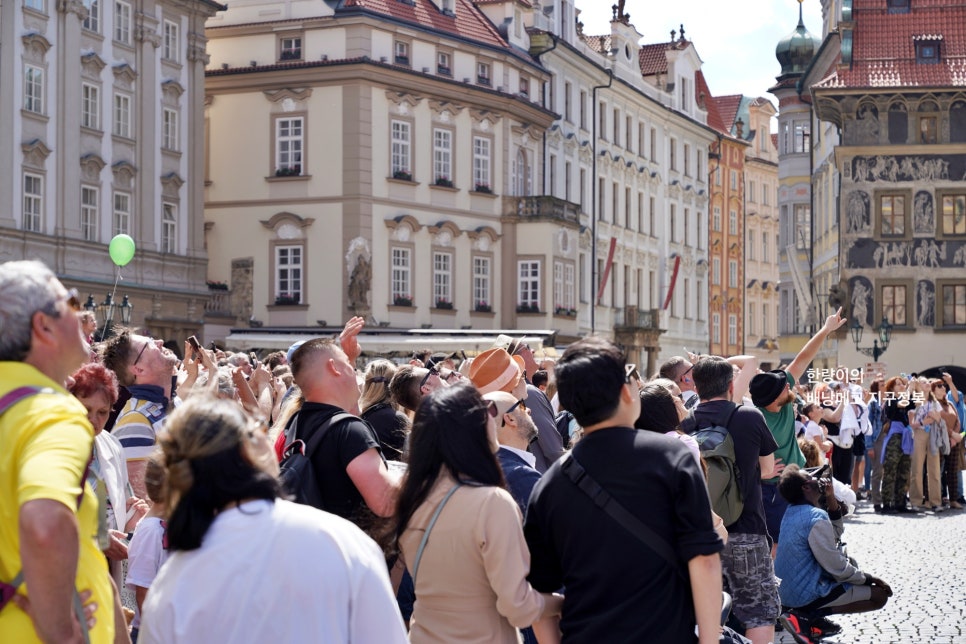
(126, 309)
(90, 306)
(885, 336)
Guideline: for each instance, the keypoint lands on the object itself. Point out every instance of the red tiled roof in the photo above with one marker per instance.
(600, 44)
(468, 21)
(525, 3)
(653, 58)
(883, 48)
(728, 107)
(714, 116)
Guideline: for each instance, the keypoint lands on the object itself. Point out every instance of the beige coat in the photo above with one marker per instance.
(471, 584)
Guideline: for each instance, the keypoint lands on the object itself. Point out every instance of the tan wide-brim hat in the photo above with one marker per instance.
(495, 370)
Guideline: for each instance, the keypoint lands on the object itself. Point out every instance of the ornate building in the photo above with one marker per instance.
(895, 87)
(102, 132)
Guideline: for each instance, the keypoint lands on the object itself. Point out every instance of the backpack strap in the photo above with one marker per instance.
(307, 448)
(14, 396)
(603, 500)
(693, 421)
(429, 528)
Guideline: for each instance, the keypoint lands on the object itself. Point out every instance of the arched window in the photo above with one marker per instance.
(522, 175)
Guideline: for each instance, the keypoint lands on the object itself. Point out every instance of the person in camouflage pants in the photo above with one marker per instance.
(895, 475)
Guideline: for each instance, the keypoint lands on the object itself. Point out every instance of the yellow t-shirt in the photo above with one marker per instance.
(45, 445)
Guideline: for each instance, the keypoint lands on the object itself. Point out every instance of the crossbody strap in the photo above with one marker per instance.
(429, 528)
(603, 500)
(308, 447)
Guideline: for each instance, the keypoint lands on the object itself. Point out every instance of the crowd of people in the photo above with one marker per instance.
(496, 498)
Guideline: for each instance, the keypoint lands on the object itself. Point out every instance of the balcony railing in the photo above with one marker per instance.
(543, 207)
(634, 318)
(218, 302)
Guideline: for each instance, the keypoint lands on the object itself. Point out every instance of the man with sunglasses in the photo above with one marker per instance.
(48, 513)
(515, 433)
(146, 368)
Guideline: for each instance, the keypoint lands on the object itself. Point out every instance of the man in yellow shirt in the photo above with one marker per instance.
(48, 514)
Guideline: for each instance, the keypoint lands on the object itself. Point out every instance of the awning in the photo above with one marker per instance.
(399, 343)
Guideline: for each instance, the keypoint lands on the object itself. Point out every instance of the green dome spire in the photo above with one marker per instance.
(794, 52)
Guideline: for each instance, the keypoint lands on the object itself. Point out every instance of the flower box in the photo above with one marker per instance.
(483, 307)
(402, 175)
(402, 300)
(444, 182)
(217, 286)
(444, 304)
(287, 300)
(528, 308)
(484, 188)
(570, 313)
(289, 171)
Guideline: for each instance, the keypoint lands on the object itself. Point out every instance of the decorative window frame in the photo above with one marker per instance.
(288, 230)
(910, 303)
(275, 166)
(877, 215)
(285, 55)
(938, 208)
(941, 323)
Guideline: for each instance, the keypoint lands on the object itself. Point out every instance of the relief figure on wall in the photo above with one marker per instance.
(960, 257)
(923, 217)
(925, 303)
(897, 254)
(867, 125)
(930, 253)
(857, 213)
(861, 289)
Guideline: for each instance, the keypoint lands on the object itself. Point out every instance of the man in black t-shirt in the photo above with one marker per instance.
(617, 588)
(348, 463)
(746, 559)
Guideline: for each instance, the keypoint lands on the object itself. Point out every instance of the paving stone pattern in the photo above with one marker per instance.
(923, 558)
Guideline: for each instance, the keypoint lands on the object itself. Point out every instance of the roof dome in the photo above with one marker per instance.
(795, 50)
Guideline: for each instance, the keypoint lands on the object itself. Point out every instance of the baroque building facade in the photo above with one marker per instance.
(101, 137)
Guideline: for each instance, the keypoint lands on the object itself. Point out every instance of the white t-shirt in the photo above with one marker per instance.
(145, 554)
(813, 430)
(275, 572)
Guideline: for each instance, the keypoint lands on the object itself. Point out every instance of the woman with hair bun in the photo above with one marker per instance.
(247, 566)
(378, 409)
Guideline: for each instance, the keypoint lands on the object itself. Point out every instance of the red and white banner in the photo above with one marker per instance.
(674, 279)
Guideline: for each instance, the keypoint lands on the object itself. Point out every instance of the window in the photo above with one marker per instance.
(442, 279)
(289, 142)
(801, 138)
(734, 179)
(953, 215)
(483, 74)
(652, 209)
(122, 213)
(600, 198)
(716, 219)
(894, 304)
(628, 131)
(93, 20)
(583, 190)
(627, 207)
(700, 228)
(33, 202)
(568, 192)
(732, 222)
(122, 22)
(401, 275)
(640, 139)
(687, 299)
(733, 273)
(673, 223)
(602, 124)
(401, 52)
(803, 227)
(169, 228)
(614, 202)
(764, 194)
(401, 150)
(716, 327)
(751, 191)
(481, 164)
(685, 95)
(617, 126)
(36, 5)
(443, 157)
(687, 160)
(764, 247)
(892, 215)
(443, 64)
(525, 87)
(640, 213)
(953, 304)
(33, 89)
(171, 42)
(558, 286)
(290, 48)
(583, 110)
(528, 285)
(169, 130)
(765, 321)
(288, 273)
(481, 283)
(90, 106)
(751, 318)
(732, 329)
(715, 271)
(653, 144)
(674, 154)
(88, 218)
(750, 245)
(552, 172)
(927, 52)
(568, 90)
(687, 226)
(569, 284)
(122, 115)
(701, 299)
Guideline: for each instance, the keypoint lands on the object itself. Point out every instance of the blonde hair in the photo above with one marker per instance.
(375, 387)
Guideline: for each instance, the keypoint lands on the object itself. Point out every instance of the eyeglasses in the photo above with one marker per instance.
(522, 405)
(491, 408)
(630, 371)
(451, 375)
(686, 372)
(434, 370)
(141, 352)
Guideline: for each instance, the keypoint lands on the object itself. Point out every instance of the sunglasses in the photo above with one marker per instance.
(141, 352)
(630, 371)
(522, 405)
(434, 370)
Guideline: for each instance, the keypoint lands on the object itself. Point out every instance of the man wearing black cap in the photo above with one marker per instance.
(771, 394)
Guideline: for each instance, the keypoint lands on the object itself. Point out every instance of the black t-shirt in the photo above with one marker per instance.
(893, 411)
(752, 439)
(834, 429)
(617, 589)
(390, 427)
(343, 442)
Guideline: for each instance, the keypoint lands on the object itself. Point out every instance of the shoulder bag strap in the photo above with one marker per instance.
(429, 528)
(603, 500)
(312, 444)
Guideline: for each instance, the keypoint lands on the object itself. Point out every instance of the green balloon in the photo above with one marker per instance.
(122, 249)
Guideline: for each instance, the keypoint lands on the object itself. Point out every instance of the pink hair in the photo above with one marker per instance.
(94, 377)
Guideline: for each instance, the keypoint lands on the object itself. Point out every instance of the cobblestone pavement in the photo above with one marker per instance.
(922, 557)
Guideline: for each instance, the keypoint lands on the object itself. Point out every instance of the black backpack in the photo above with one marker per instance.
(296, 471)
(718, 451)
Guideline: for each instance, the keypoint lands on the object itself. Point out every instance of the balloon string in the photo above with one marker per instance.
(113, 294)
